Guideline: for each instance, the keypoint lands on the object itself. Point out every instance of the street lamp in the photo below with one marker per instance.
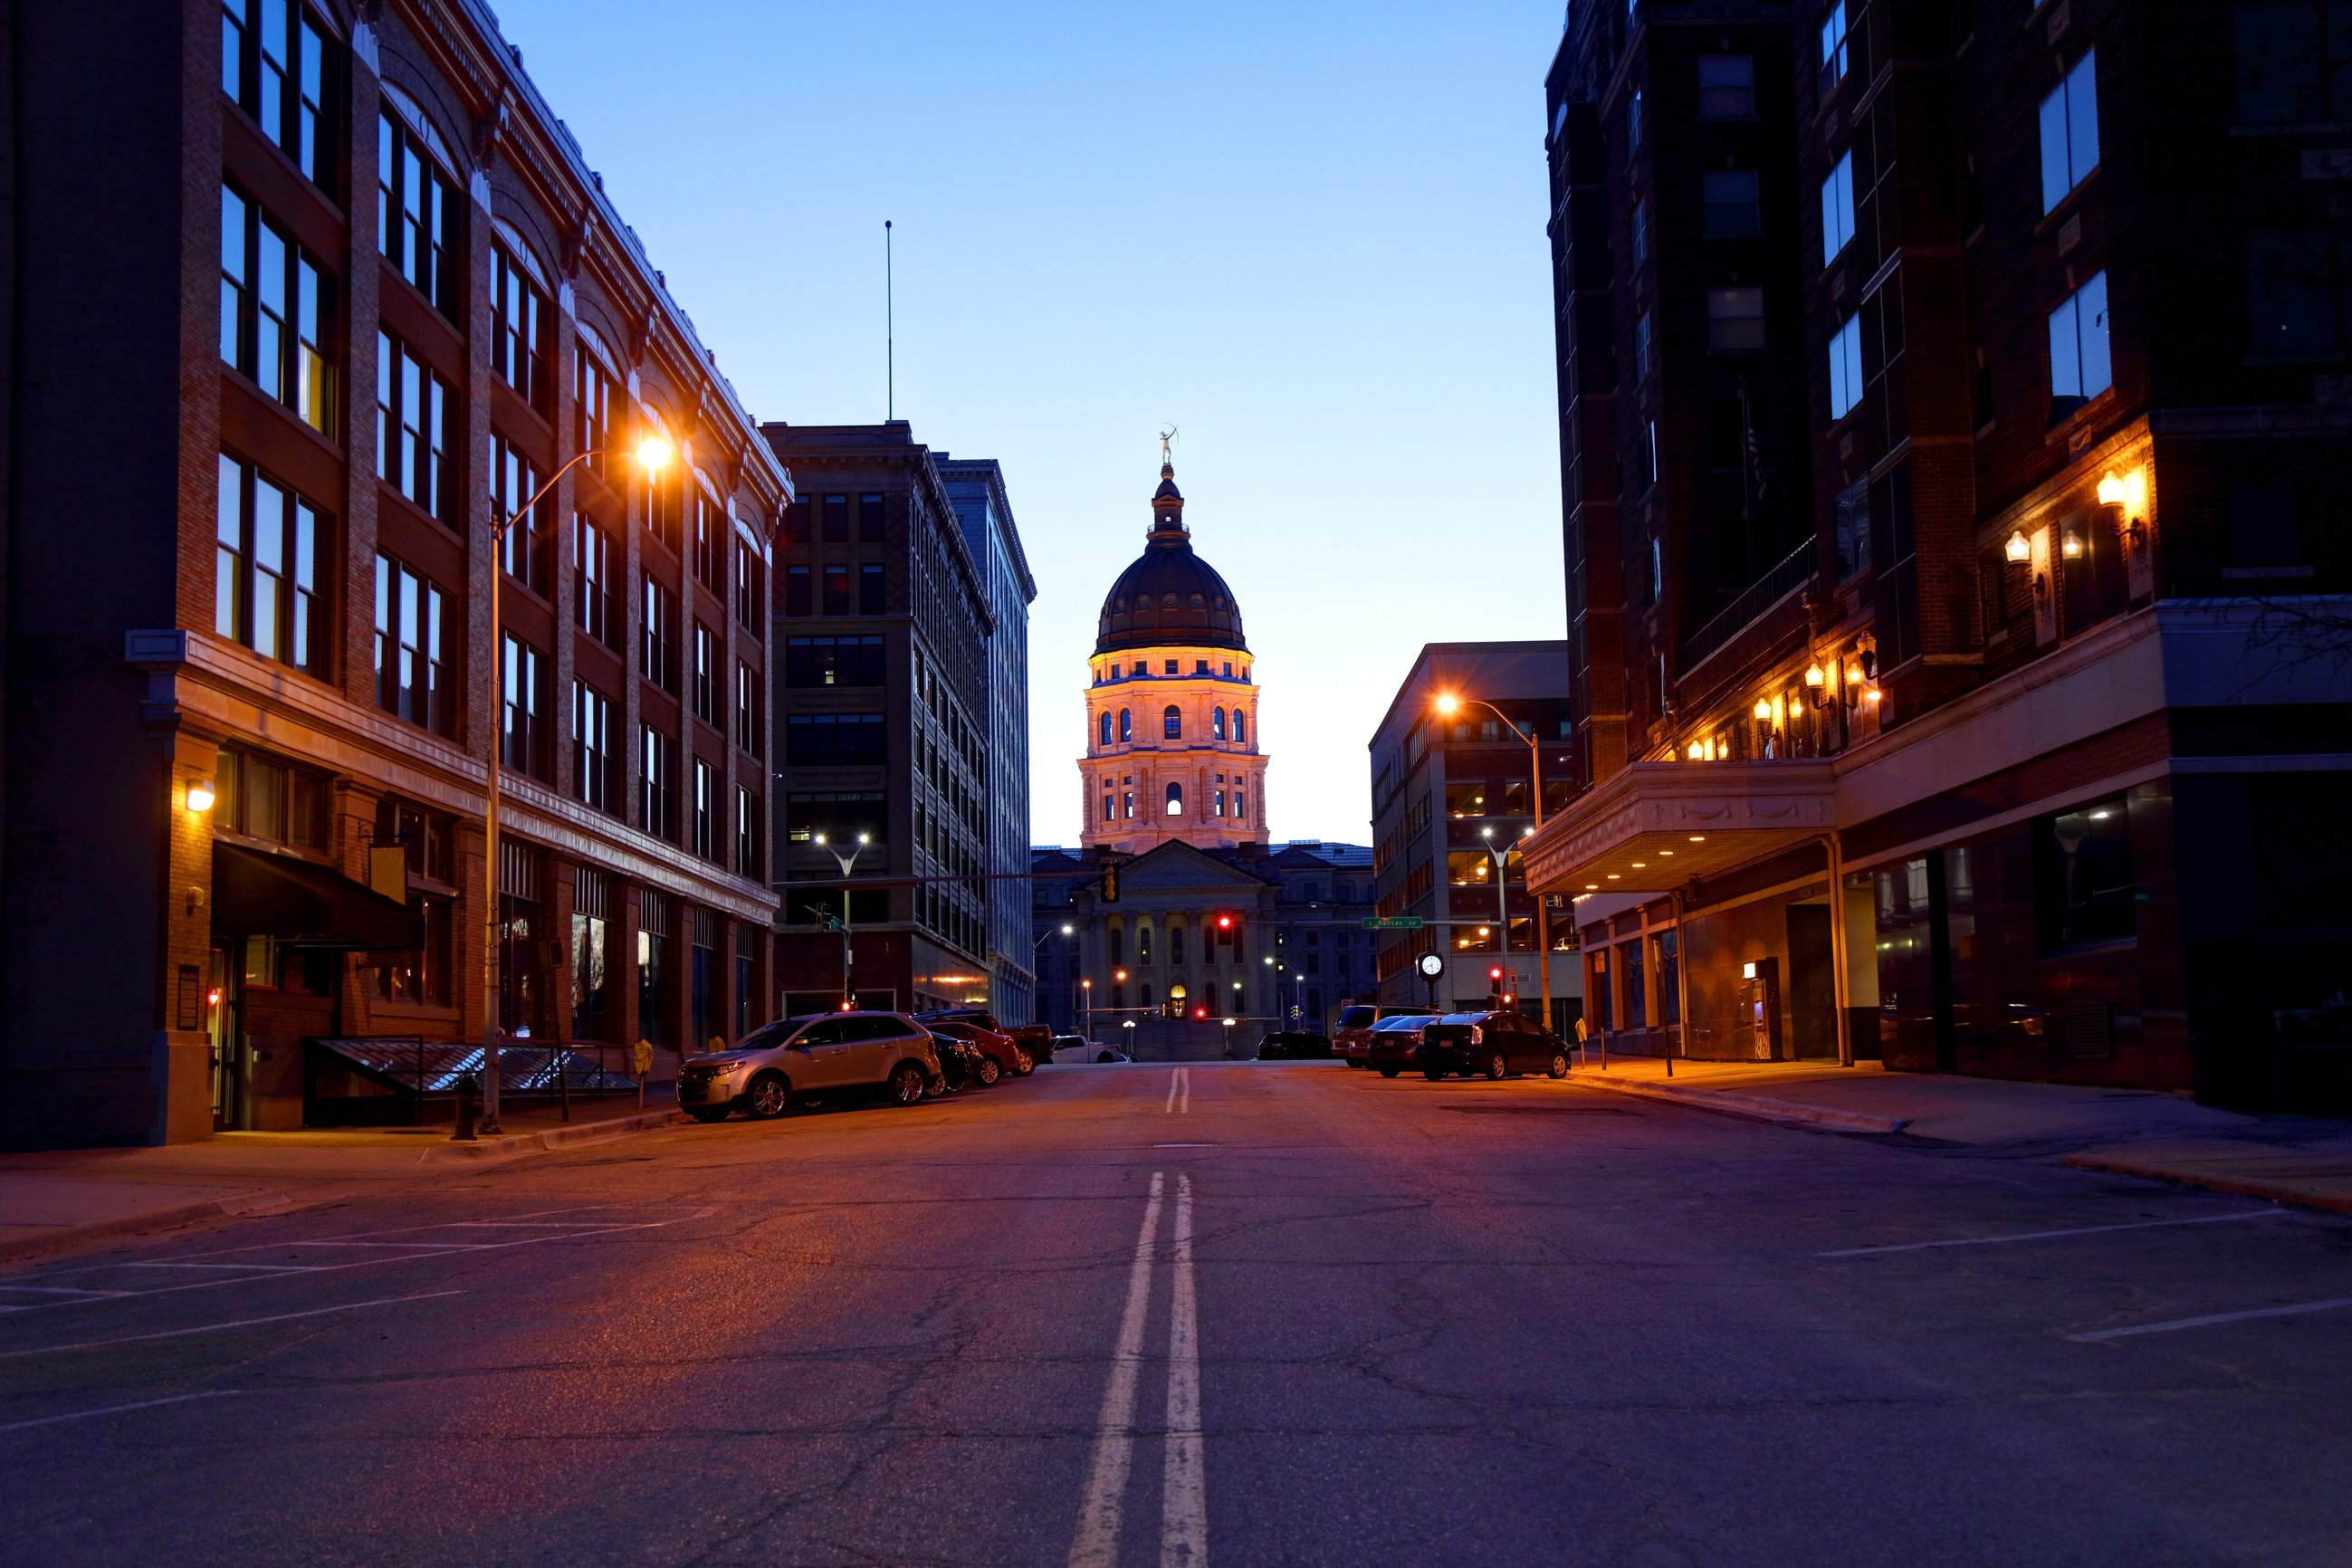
(847, 862)
(1449, 703)
(1501, 853)
(652, 455)
(1067, 930)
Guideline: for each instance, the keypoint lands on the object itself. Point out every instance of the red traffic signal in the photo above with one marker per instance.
(1224, 922)
(1495, 975)
(1199, 1012)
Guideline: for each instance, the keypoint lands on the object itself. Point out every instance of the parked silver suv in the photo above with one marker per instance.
(803, 1057)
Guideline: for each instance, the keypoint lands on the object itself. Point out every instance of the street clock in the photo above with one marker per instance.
(1433, 964)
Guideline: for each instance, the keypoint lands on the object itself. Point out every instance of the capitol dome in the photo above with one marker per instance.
(1169, 594)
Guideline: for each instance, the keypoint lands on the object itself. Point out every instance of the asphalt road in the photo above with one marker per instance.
(1231, 1314)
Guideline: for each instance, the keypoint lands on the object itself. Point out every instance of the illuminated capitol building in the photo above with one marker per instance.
(1209, 921)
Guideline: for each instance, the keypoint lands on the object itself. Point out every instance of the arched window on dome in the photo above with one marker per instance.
(1126, 726)
(1217, 723)
(1240, 727)
(1105, 727)
(1171, 722)
(1175, 800)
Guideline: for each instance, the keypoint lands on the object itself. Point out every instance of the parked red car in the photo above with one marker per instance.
(1000, 1052)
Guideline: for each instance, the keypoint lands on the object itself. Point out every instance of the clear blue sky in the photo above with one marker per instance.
(1310, 236)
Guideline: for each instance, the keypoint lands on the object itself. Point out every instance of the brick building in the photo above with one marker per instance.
(312, 295)
(2016, 765)
(885, 712)
(1444, 787)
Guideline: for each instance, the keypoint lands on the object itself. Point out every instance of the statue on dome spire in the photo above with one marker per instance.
(1166, 461)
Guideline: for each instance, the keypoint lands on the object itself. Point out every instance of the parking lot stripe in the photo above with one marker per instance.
(118, 1409)
(2053, 1235)
(2209, 1318)
(1096, 1545)
(222, 1328)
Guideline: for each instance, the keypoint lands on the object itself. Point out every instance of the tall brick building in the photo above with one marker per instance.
(308, 298)
(885, 712)
(2015, 763)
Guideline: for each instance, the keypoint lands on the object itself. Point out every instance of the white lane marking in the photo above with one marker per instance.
(431, 1247)
(2050, 1235)
(61, 1290)
(1183, 1145)
(440, 1250)
(1186, 1105)
(118, 1409)
(222, 1328)
(1184, 1495)
(248, 1267)
(1096, 1545)
(2212, 1317)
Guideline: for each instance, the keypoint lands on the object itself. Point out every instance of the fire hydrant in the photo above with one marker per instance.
(469, 1109)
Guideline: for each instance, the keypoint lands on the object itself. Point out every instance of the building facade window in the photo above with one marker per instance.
(836, 514)
(277, 310)
(1126, 726)
(749, 705)
(416, 215)
(1217, 723)
(523, 552)
(833, 740)
(1731, 205)
(264, 798)
(1837, 209)
(1102, 728)
(2296, 300)
(286, 75)
(2069, 131)
(656, 797)
(1641, 228)
(595, 758)
(591, 409)
(1834, 46)
(834, 661)
(747, 836)
(869, 519)
(1734, 320)
(1241, 728)
(836, 590)
(268, 569)
(522, 731)
(710, 525)
(2079, 366)
(797, 595)
(1727, 87)
(1845, 367)
(1175, 806)
(706, 675)
(413, 438)
(518, 327)
(412, 672)
(665, 505)
(748, 576)
(705, 810)
(597, 610)
(869, 590)
(2295, 63)
(658, 637)
(1171, 722)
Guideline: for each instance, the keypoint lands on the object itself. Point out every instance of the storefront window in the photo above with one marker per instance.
(591, 949)
(1670, 1000)
(1603, 994)
(2083, 874)
(1637, 1001)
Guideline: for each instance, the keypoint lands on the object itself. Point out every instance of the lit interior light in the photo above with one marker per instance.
(1694, 750)
(1640, 864)
(1666, 853)
(1613, 877)
(1698, 838)
(2127, 491)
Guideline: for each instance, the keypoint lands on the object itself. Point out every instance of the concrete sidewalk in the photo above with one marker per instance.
(2288, 1159)
(56, 1201)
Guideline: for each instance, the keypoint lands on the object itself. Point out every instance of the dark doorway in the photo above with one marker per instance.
(1813, 987)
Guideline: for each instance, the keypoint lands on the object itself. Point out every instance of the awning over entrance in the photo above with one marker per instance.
(1656, 825)
(306, 904)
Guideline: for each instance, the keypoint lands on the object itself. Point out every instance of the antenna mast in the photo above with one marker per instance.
(889, 332)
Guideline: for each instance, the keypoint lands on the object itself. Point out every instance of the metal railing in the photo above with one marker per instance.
(1760, 596)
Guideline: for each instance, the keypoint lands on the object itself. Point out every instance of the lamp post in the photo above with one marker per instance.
(1500, 854)
(1039, 946)
(1450, 703)
(1086, 1009)
(652, 455)
(847, 863)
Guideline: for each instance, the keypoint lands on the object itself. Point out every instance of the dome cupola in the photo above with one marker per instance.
(1169, 594)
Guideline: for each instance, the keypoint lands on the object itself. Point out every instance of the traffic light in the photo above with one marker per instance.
(1495, 975)
(1224, 927)
(1110, 883)
(1199, 1014)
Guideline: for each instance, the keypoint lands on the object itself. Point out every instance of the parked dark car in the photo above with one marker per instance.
(1494, 1044)
(1294, 1044)
(1352, 1042)
(1390, 1046)
(961, 1063)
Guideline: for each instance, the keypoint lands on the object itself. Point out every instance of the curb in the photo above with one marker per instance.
(553, 1138)
(1754, 1106)
(67, 1238)
(2240, 1186)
